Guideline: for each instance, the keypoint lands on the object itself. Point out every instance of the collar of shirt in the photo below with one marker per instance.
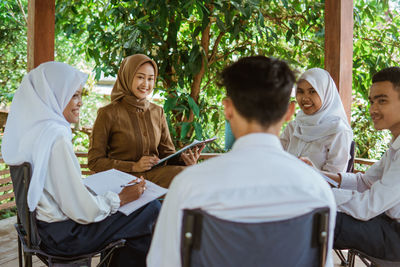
(393, 149)
(395, 143)
(257, 139)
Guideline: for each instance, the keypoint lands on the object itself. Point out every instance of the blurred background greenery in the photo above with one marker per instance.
(192, 41)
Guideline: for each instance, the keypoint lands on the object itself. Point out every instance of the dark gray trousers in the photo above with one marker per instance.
(70, 238)
(378, 237)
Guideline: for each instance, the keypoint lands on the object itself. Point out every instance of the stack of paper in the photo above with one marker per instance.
(112, 180)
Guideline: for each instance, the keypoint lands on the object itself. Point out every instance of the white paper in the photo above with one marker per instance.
(330, 181)
(112, 180)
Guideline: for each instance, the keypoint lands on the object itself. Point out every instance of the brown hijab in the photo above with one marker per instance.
(123, 85)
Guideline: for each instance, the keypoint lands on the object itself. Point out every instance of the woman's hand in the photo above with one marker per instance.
(145, 163)
(191, 156)
(307, 161)
(131, 193)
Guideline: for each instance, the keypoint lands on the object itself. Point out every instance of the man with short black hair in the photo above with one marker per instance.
(257, 181)
(369, 204)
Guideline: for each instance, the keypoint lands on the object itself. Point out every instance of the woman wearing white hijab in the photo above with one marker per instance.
(320, 131)
(70, 219)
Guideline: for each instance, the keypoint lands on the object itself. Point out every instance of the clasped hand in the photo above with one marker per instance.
(145, 163)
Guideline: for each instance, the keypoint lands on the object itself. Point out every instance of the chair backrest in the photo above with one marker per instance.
(350, 164)
(21, 177)
(210, 241)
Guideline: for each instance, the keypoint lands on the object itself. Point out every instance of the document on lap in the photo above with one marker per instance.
(114, 180)
(330, 181)
(193, 144)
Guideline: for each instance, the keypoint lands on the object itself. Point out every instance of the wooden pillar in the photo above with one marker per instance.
(339, 47)
(41, 21)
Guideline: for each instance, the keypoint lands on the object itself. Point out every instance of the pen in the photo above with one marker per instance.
(125, 185)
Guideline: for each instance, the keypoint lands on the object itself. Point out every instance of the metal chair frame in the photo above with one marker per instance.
(368, 260)
(27, 248)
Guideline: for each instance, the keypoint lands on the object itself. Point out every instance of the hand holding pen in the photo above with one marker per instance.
(132, 191)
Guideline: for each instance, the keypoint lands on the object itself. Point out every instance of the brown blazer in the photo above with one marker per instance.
(122, 134)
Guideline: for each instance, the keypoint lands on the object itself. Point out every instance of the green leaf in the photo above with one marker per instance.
(185, 129)
(285, 4)
(193, 106)
(220, 24)
(289, 35)
(198, 130)
(170, 103)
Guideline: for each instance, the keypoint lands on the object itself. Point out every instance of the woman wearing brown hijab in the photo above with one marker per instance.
(131, 134)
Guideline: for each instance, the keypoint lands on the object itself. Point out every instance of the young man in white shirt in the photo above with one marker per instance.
(257, 180)
(369, 204)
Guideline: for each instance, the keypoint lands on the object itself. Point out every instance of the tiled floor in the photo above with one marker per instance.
(9, 252)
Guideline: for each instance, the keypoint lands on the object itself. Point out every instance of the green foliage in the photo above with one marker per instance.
(190, 41)
(7, 213)
(295, 34)
(366, 136)
(376, 46)
(193, 40)
(13, 53)
(92, 101)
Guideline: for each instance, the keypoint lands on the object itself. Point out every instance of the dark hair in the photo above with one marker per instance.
(391, 74)
(259, 87)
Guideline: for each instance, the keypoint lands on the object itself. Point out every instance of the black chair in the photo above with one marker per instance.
(350, 164)
(28, 237)
(209, 241)
(350, 168)
(368, 260)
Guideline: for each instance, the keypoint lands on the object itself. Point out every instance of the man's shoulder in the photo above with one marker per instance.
(234, 162)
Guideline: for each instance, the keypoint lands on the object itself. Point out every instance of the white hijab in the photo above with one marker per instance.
(330, 118)
(36, 120)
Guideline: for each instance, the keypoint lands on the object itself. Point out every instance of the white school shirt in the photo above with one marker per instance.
(365, 196)
(330, 153)
(256, 181)
(64, 194)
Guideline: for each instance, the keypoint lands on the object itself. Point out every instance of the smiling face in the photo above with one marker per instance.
(307, 98)
(385, 107)
(143, 81)
(71, 111)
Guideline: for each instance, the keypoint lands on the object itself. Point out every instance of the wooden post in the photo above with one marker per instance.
(41, 21)
(339, 47)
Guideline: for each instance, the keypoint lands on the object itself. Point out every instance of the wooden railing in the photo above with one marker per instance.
(7, 195)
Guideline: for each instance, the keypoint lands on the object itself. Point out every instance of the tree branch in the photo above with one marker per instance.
(13, 15)
(211, 59)
(23, 11)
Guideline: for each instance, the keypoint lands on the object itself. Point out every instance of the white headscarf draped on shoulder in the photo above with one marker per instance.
(330, 118)
(36, 120)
